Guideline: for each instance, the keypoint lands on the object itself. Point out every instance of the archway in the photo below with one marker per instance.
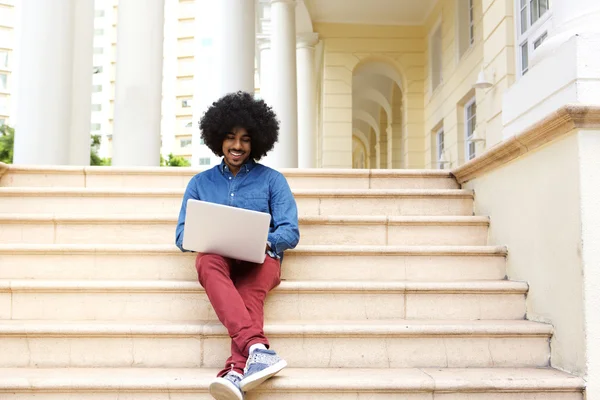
(377, 107)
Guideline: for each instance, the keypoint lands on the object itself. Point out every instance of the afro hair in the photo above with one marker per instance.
(240, 110)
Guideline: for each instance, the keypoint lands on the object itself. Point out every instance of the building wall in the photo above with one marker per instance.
(535, 206)
(444, 105)
(345, 47)
(499, 61)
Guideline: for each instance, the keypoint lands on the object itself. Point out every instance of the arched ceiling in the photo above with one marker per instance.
(372, 12)
(373, 86)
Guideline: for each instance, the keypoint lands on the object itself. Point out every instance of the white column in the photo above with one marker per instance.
(235, 39)
(264, 46)
(81, 99)
(138, 93)
(307, 100)
(284, 94)
(169, 82)
(45, 82)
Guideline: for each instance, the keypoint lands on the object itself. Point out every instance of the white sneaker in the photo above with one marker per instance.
(227, 387)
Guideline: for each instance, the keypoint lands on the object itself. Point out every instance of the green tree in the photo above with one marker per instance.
(174, 161)
(7, 144)
(95, 159)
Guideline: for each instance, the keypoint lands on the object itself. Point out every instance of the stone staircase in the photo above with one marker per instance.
(393, 293)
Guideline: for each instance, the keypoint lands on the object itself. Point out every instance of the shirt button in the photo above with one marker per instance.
(229, 178)
(231, 194)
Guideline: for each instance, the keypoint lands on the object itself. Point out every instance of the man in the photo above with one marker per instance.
(242, 130)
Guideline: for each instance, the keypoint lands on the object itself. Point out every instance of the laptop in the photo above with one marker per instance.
(227, 231)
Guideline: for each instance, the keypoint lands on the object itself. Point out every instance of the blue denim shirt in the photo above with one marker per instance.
(255, 187)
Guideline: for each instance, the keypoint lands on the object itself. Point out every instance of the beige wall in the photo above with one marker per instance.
(499, 62)
(534, 205)
(345, 47)
(444, 105)
(589, 168)
(408, 50)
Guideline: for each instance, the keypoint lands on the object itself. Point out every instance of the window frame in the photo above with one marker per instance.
(439, 150)
(201, 159)
(471, 23)
(4, 80)
(4, 55)
(532, 34)
(469, 144)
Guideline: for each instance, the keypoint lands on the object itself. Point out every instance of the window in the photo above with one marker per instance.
(524, 58)
(99, 13)
(96, 127)
(3, 59)
(187, 124)
(96, 107)
(436, 58)
(3, 82)
(465, 25)
(98, 70)
(96, 88)
(2, 121)
(98, 32)
(533, 23)
(186, 103)
(440, 146)
(98, 50)
(470, 124)
(539, 40)
(185, 143)
(201, 141)
(537, 8)
(471, 22)
(204, 161)
(206, 42)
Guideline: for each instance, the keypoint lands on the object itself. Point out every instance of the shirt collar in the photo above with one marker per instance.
(246, 167)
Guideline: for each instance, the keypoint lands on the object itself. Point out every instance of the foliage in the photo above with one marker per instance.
(7, 144)
(174, 161)
(95, 159)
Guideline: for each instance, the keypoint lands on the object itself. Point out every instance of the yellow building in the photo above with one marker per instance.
(496, 257)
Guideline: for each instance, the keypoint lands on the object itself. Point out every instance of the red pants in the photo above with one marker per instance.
(237, 291)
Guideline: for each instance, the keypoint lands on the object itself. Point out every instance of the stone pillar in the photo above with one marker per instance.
(81, 106)
(138, 92)
(284, 94)
(236, 41)
(264, 46)
(49, 71)
(307, 99)
(390, 143)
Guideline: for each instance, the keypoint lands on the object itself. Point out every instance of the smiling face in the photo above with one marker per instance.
(236, 149)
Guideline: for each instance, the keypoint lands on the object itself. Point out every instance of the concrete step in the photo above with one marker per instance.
(372, 344)
(160, 229)
(292, 300)
(166, 262)
(168, 201)
(143, 177)
(293, 384)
